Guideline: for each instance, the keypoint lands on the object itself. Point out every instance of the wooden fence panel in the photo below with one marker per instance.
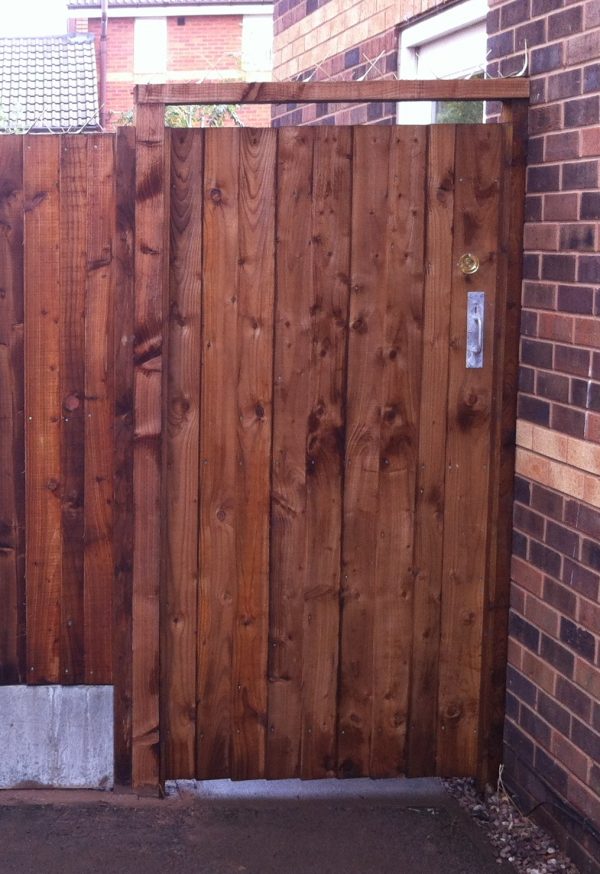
(12, 447)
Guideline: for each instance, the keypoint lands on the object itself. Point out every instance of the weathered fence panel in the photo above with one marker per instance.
(245, 474)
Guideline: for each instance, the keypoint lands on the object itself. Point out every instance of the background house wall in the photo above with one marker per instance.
(197, 47)
(552, 734)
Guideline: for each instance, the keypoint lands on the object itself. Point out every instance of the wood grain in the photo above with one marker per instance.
(149, 316)
(73, 264)
(219, 419)
(256, 286)
(12, 460)
(429, 517)
(292, 355)
(381, 448)
(466, 534)
(332, 92)
(42, 407)
(179, 604)
(327, 299)
(123, 509)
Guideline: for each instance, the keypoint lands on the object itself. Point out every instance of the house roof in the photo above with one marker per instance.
(144, 4)
(48, 82)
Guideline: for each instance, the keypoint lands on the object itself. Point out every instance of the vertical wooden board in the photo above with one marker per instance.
(478, 156)
(178, 623)
(327, 300)
(12, 460)
(123, 449)
(73, 264)
(254, 407)
(42, 407)
(149, 315)
(399, 370)
(292, 351)
(99, 407)
(506, 373)
(218, 453)
(429, 517)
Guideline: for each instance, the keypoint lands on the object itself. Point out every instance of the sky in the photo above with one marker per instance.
(32, 17)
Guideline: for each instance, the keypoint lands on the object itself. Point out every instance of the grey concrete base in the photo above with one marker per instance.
(417, 791)
(56, 737)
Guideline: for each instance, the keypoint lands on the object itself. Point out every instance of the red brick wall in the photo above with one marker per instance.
(205, 47)
(553, 710)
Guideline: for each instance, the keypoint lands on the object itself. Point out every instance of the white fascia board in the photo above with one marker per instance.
(177, 11)
(448, 21)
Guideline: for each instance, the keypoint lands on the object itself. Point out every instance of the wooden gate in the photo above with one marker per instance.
(332, 469)
(247, 477)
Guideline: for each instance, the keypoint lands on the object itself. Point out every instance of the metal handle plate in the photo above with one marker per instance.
(475, 328)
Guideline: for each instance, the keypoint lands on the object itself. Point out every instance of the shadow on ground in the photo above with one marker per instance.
(85, 833)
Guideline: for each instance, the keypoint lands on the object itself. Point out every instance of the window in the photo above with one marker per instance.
(150, 49)
(449, 45)
(257, 41)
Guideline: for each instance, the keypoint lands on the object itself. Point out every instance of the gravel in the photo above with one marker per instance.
(515, 838)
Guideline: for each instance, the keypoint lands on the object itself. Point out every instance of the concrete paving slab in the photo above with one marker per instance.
(420, 830)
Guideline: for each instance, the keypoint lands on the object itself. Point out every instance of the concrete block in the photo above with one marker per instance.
(56, 737)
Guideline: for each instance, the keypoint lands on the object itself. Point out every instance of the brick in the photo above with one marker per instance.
(521, 687)
(582, 174)
(570, 359)
(588, 269)
(559, 596)
(577, 638)
(590, 142)
(534, 726)
(590, 205)
(565, 23)
(542, 7)
(580, 237)
(560, 268)
(582, 48)
(590, 554)
(545, 118)
(541, 615)
(533, 208)
(542, 179)
(557, 655)
(522, 490)
(588, 615)
(529, 323)
(500, 45)
(562, 539)
(587, 332)
(492, 24)
(517, 600)
(523, 631)
(547, 502)
(539, 296)
(555, 326)
(513, 13)
(596, 365)
(583, 518)
(531, 266)
(542, 60)
(552, 386)
(533, 410)
(528, 521)
(586, 739)
(576, 299)
(552, 712)
(545, 559)
(541, 236)
(519, 544)
(527, 577)
(572, 697)
(552, 771)
(531, 34)
(567, 420)
(582, 112)
(535, 151)
(527, 380)
(563, 85)
(561, 207)
(536, 353)
(569, 756)
(581, 579)
(591, 78)
(562, 146)
(518, 741)
(511, 707)
(580, 392)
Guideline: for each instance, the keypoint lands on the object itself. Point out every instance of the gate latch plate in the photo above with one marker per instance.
(475, 328)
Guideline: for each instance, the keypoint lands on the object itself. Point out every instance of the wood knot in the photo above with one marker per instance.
(71, 402)
(221, 515)
(216, 195)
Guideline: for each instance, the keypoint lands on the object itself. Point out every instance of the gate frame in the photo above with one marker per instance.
(151, 314)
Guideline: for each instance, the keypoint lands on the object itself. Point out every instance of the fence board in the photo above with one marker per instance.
(476, 206)
(218, 452)
(429, 518)
(256, 259)
(73, 263)
(123, 326)
(42, 407)
(178, 667)
(290, 409)
(327, 303)
(12, 460)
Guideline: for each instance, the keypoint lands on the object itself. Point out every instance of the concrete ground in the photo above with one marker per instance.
(326, 827)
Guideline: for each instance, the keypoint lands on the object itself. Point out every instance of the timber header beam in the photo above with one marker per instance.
(333, 92)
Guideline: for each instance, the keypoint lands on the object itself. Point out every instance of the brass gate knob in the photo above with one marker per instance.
(468, 263)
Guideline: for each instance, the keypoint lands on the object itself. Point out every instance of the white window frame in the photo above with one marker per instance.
(412, 38)
(150, 63)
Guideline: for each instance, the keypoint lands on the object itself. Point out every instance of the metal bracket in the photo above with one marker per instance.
(475, 328)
